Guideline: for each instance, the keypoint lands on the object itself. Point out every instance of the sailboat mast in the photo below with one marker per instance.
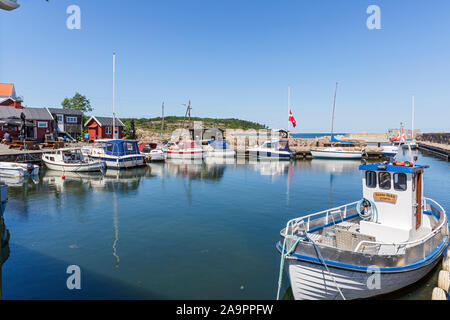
(114, 95)
(334, 107)
(162, 121)
(289, 109)
(412, 121)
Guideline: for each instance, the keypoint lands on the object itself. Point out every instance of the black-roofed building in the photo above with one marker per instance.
(102, 128)
(67, 121)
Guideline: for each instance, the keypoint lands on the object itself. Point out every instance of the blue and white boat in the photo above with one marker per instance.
(388, 240)
(219, 149)
(116, 154)
(277, 150)
(390, 151)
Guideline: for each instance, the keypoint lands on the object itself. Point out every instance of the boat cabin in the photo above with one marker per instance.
(65, 155)
(146, 147)
(118, 147)
(396, 189)
(282, 145)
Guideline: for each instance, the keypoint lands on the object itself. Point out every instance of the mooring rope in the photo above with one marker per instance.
(289, 252)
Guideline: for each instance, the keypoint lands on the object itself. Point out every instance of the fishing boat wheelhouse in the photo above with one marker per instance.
(394, 232)
(117, 154)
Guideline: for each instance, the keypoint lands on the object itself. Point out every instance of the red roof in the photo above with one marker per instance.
(6, 89)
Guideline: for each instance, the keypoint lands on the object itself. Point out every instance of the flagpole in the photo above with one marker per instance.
(289, 109)
(114, 96)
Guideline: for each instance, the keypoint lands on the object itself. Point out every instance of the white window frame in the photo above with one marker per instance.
(42, 124)
(108, 130)
(60, 118)
(72, 120)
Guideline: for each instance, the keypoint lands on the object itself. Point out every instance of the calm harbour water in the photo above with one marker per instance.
(174, 230)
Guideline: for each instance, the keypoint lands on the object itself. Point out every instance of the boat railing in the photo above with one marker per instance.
(417, 248)
(323, 218)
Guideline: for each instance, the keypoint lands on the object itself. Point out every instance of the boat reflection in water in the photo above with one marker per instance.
(4, 233)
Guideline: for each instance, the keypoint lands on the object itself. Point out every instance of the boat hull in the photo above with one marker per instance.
(176, 154)
(17, 170)
(72, 167)
(270, 155)
(323, 154)
(310, 281)
(121, 162)
(221, 154)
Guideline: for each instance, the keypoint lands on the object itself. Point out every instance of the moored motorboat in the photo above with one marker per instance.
(219, 149)
(336, 153)
(152, 151)
(16, 169)
(389, 151)
(388, 240)
(185, 149)
(71, 160)
(275, 150)
(117, 154)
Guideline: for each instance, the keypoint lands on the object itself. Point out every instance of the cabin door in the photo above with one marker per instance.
(418, 199)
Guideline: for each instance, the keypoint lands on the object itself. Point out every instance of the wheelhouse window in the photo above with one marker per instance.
(371, 179)
(400, 181)
(129, 146)
(109, 147)
(384, 180)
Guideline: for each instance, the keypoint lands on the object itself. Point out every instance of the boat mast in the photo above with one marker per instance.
(332, 116)
(114, 95)
(412, 122)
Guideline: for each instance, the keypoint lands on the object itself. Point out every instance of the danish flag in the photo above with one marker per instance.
(292, 119)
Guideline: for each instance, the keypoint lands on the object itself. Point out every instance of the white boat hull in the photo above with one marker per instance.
(325, 154)
(182, 154)
(221, 154)
(75, 167)
(310, 281)
(11, 169)
(120, 162)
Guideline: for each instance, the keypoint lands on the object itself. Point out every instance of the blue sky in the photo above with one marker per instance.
(236, 59)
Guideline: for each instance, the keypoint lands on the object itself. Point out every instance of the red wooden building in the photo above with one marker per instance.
(102, 128)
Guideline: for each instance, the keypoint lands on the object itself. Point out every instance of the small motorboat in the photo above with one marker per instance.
(185, 149)
(388, 240)
(16, 169)
(219, 149)
(9, 4)
(390, 151)
(272, 150)
(117, 154)
(336, 153)
(410, 144)
(71, 160)
(152, 151)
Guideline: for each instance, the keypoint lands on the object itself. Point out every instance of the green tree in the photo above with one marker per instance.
(77, 102)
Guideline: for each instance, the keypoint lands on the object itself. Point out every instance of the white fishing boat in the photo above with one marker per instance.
(219, 149)
(71, 160)
(185, 149)
(275, 150)
(9, 4)
(388, 240)
(116, 154)
(16, 169)
(336, 152)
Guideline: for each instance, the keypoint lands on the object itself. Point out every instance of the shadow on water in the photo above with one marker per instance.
(44, 277)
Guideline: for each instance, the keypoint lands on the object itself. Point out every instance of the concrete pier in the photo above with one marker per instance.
(439, 150)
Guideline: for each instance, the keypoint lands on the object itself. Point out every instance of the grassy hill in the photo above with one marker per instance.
(172, 122)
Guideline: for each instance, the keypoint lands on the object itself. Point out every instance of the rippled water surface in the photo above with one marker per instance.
(175, 230)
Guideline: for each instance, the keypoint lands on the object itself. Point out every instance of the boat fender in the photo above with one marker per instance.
(446, 263)
(439, 294)
(444, 280)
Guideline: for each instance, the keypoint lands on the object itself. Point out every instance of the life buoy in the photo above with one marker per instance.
(399, 163)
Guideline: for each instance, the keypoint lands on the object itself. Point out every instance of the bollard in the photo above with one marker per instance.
(444, 280)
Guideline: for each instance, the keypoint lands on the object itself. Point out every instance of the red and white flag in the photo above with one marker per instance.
(292, 119)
